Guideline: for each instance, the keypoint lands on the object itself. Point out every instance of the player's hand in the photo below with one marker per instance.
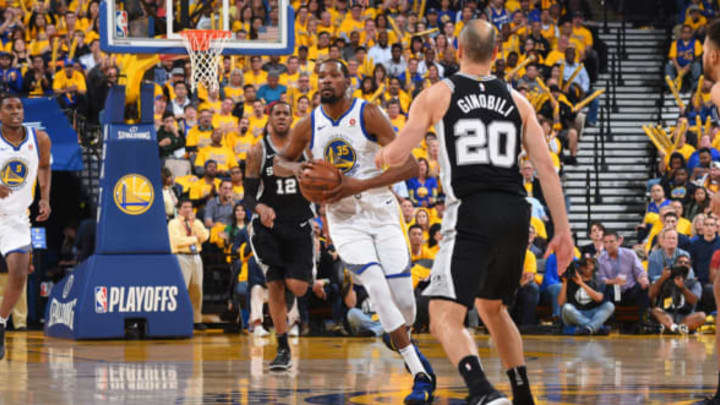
(44, 211)
(348, 186)
(562, 245)
(267, 215)
(4, 191)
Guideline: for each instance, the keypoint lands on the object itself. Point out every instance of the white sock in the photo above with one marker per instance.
(412, 360)
(3, 321)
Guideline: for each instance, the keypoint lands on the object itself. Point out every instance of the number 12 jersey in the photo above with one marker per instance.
(480, 138)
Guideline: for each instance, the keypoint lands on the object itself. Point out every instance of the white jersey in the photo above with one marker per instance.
(348, 146)
(18, 170)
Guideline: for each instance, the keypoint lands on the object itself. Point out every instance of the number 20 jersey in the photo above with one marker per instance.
(480, 138)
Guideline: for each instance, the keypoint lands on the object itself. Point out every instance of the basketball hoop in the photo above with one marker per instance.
(204, 46)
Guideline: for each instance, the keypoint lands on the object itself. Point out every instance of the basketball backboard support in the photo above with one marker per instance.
(126, 27)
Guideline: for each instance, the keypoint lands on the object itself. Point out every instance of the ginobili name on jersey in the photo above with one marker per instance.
(489, 102)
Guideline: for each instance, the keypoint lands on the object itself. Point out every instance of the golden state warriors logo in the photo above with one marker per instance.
(14, 173)
(341, 154)
(133, 194)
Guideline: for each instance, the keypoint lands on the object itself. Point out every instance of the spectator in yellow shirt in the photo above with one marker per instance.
(258, 119)
(396, 119)
(199, 135)
(256, 76)
(69, 85)
(234, 88)
(420, 256)
(216, 151)
(696, 20)
(224, 120)
(241, 141)
(206, 187)
(353, 21)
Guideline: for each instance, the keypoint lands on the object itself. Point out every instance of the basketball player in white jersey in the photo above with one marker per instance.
(24, 159)
(362, 213)
(481, 124)
(711, 69)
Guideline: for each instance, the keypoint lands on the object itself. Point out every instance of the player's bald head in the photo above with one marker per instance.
(477, 40)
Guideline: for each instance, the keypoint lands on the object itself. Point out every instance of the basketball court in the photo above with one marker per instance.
(216, 368)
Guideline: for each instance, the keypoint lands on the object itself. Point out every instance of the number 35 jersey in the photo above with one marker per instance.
(480, 138)
(348, 146)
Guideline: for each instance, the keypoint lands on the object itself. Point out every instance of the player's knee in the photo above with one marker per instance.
(297, 287)
(489, 307)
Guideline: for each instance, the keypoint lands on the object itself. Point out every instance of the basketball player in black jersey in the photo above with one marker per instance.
(280, 231)
(481, 126)
(711, 69)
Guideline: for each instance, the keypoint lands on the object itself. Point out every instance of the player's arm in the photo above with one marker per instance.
(44, 175)
(377, 124)
(286, 164)
(427, 109)
(537, 149)
(251, 183)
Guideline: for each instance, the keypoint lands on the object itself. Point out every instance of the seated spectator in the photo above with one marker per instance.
(238, 190)
(697, 227)
(667, 167)
(200, 135)
(523, 311)
(669, 221)
(679, 187)
(222, 155)
(619, 266)
(171, 140)
(272, 90)
(418, 247)
(38, 80)
(408, 211)
(533, 245)
(684, 226)
(699, 163)
(684, 56)
(422, 189)
(422, 219)
(657, 199)
(674, 296)
(436, 236)
(664, 257)
(225, 120)
(361, 316)
(696, 21)
(235, 233)
(219, 210)
(703, 251)
(711, 182)
(699, 204)
(595, 247)
(68, 84)
(206, 187)
(551, 284)
(177, 105)
(582, 300)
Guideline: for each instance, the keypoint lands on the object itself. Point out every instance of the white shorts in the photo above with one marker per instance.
(371, 237)
(14, 234)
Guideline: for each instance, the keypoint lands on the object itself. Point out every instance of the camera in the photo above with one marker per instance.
(679, 271)
(571, 270)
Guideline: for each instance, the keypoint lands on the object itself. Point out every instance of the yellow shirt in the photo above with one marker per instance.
(256, 80)
(289, 80)
(583, 35)
(687, 150)
(224, 157)
(315, 53)
(241, 144)
(186, 181)
(402, 97)
(213, 106)
(701, 22)
(219, 120)
(554, 57)
(674, 54)
(62, 82)
(235, 93)
(180, 242)
(198, 138)
(200, 189)
(349, 25)
(398, 123)
(530, 266)
(238, 192)
(257, 124)
(539, 227)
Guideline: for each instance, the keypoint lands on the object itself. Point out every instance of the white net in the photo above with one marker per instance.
(204, 48)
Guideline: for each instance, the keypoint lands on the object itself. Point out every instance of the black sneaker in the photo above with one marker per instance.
(282, 361)
(708, 401)
(493, 398)
(2, 341)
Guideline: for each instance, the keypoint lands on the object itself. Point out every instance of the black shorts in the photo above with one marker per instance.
(485, 237)
(284, 251)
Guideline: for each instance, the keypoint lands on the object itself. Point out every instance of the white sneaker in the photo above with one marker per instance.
(683, 329)
(294, 331)
(259, 331)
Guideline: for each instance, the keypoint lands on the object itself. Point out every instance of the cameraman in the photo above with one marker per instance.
(674, 296)
(581, 300)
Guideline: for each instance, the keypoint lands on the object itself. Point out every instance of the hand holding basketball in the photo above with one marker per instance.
(317, 178)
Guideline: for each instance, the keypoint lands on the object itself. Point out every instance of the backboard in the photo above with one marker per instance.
(140, 26)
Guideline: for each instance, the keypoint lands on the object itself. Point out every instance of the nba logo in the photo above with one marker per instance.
(121, 24)
(101, 300)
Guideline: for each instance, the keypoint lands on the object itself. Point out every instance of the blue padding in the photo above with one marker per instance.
(361, 269)
(94, 301)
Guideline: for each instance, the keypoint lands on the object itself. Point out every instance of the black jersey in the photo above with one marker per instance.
(480, 138)
(282, 194)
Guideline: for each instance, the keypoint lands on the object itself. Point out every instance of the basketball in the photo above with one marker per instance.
(320, 177)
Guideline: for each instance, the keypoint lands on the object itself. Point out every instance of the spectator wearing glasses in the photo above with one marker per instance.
(667, 255)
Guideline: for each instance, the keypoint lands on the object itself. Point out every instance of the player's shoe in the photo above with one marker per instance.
(422, 391)
(282, 361)
(708, 401)
(2, 341)
(425, 362)
(493, 398)
(294, 331)
(683, 329)
(259, 331)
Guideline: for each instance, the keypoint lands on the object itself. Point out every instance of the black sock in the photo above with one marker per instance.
(717, 393)
(520, 385)
(282, 341)
(474, 376)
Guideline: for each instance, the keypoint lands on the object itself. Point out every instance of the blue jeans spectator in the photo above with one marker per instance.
(550, 294)
(695, 72)
(361, 323)
(591, 318)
